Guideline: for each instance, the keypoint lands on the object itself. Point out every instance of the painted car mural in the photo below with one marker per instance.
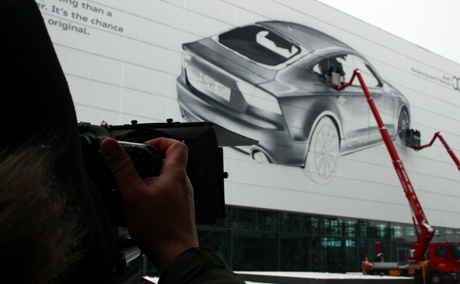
(275, 82)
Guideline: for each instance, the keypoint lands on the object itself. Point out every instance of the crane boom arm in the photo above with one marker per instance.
(427, 232)
(444, 143)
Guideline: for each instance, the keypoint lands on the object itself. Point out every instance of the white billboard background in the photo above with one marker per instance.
(122, 58)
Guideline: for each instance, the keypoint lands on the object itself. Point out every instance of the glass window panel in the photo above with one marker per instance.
(410, 231)
(311, 224)
(397, 232)
(291, 222)
(300, 234)
(331, 227)
(245, 219)
(366, 72)
(299, 253)
(299, 223)
(403, 232)
(344, 65)
(255, 251)
(438, 232)
(455, 237)
(366, 249)
(259, 44)
(455, 251)
(362, 228)
(350, 251)
(267, 220)
(378, 230)
(402, 251)
(382, 231)
(349, 228)
(441, 252)
(340, 255)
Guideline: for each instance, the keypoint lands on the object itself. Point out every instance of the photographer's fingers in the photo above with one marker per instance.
(159, 204)
(175, 152)
(120, 165)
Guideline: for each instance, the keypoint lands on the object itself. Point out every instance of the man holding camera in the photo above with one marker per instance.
(40, 125)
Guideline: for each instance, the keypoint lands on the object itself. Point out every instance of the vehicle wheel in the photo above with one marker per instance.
(323, 152)
(435, 278)
(403, 126)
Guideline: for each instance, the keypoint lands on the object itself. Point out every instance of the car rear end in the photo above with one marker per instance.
(222, 81)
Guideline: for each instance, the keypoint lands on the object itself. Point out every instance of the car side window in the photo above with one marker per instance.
(366, 72)
(259, 44)
(347, 66)
(335, 71)
(273, 43)
(320, 69)
(317, 70)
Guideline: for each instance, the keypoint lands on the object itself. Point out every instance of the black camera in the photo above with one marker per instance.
(204, 168)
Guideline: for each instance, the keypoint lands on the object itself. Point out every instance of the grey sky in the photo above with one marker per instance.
(431, 24)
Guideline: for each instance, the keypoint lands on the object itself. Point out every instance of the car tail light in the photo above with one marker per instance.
(258, 98)
(186, 57)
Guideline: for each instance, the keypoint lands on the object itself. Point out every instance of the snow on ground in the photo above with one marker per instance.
(155, 280)
(317, 275)
(152, 279)
(308, 275)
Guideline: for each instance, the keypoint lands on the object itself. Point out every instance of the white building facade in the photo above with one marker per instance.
(122, 60)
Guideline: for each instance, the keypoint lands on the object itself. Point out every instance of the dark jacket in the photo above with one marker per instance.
(199, 265)
(37, 106)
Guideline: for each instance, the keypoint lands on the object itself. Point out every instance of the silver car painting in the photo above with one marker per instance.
(272, 81)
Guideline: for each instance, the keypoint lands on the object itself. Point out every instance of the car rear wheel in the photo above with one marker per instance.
(323, 152)
(403, 126)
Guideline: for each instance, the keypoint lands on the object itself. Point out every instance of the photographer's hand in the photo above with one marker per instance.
(159, 211)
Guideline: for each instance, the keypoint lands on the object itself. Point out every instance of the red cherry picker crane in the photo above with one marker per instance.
(436, 268)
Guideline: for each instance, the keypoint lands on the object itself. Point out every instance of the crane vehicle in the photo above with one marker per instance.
(443, 261)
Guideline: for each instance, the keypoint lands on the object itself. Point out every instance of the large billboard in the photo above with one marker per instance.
(268, 70)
